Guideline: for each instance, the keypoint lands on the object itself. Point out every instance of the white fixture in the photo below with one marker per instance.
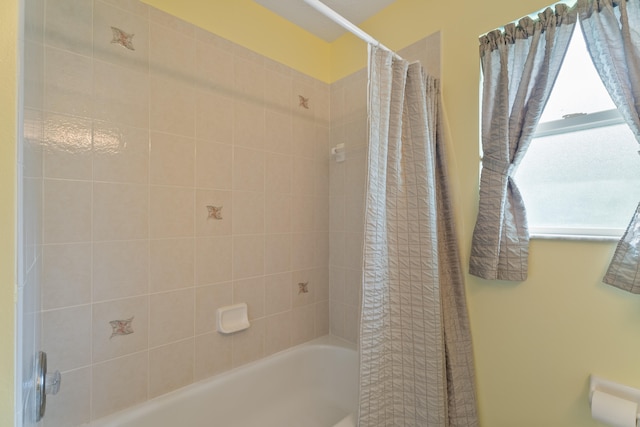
(232, 318)
(337, 153)
(614, 404)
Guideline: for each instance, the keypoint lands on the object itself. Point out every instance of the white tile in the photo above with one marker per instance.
(67, 211)
(172, 53)
(171, 264)
(214, 68)
(303, 177)
(214, 165)
(120, 211)
(248, 345)
(248, 169)
(278, 133)
(66, 279)
(105, 49)
(278, 213)
(171, 212)
(120, 95)
(303, 327)
(66, 337)
(278, 173)
(214, 116)
(249, 124)
(248, 256)
(71, 406)
(172, 106)
(249, 77)
(322, 318)
(68, 82)
(170, 367)
(172, 160)
(120, 269)
(67, 147)
(251, 292)
(277, 333)
(68, 25)
(216, 224)
(248, 212)
(302, 214)
(108, 342)
(120, 153)
(298, 296)
(213, 355)
(208, 300)
(118, 384)
(171, 316)
(277, 253)
(213, 260)
(304, 137)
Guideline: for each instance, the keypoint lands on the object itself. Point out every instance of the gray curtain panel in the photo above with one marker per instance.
(612, 35)
(415, 347)
(519, 66)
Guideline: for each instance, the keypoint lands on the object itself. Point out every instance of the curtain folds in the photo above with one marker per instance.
(612, 35)
(519, 68)
(416, 362)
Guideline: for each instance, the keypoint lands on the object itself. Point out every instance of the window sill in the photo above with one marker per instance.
(575, 236)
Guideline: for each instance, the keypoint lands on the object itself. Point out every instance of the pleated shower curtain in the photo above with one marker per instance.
(415, 344)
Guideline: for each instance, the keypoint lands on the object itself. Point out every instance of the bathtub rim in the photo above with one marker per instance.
(323, 341)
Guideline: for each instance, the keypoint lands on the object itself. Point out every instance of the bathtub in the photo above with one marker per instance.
(311, 385)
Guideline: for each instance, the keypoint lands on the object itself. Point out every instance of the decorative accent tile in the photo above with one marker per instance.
(215, 212)
(303, 287)
(122, 38)
(304, 102)
(121, 327)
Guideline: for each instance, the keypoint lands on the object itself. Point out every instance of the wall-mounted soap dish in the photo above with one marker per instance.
(232, 318)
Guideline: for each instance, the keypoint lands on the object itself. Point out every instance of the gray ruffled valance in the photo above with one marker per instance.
(527, 27)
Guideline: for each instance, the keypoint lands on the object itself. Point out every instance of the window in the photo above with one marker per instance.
(581, 174)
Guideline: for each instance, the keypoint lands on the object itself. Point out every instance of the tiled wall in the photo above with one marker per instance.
(346, 205)
(181, 172)
(178, 172)
(347, 187)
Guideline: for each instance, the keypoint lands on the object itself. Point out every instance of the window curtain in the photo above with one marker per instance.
(519, 65)
(612, 35)
(416, 361)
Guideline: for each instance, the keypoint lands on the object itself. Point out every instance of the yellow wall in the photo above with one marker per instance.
(8, 120)
(249, 24)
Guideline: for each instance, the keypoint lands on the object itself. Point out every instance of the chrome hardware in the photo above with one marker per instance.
(44, 384)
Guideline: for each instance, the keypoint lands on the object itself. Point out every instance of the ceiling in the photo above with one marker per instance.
(303, 15)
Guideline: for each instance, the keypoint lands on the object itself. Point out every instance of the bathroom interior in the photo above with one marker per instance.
(159, 135)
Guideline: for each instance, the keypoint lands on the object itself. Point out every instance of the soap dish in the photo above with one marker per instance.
(232, 318)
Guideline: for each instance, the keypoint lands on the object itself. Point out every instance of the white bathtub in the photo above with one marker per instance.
(310, 385)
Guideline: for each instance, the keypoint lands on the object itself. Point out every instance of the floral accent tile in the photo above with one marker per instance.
(122, 38)
(121, 327)
(215, 212)
(303, 287)
(304, 102)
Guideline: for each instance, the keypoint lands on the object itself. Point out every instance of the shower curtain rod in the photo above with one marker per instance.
(346, 24)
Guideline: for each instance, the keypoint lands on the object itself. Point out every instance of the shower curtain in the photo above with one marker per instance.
(416, 361)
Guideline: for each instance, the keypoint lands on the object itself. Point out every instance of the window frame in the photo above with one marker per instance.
(569, 124)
